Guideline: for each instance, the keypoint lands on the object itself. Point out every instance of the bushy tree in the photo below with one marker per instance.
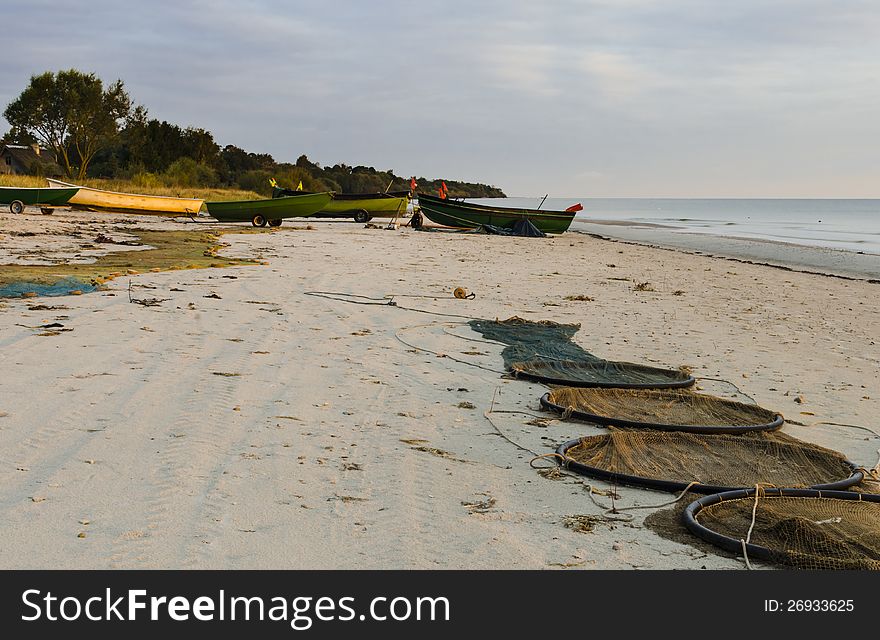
(72, 113)
(186, 172)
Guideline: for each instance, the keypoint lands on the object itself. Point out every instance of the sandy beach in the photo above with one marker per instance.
(240, 423)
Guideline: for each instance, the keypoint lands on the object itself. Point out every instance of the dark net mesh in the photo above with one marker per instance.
(545, 351)
(719, 462)
(806, 533)
(661, 409)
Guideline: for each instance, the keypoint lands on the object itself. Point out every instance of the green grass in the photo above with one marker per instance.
(128, 186)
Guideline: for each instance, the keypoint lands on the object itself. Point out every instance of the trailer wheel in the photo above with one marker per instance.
(16, 206)
(275, 223)
(258, 221)
(47, 211)
(362, 216)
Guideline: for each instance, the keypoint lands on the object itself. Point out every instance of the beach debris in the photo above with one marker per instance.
(29, 294)
(643, 286)
(336, 496)
(480, 506)
(416, 445)
(148, 302)
(144, 302)
(582, 523)
(226, 374)
(466, 405)
(580, 298)
(552, 473)
(351, 466)
(81, 534)
(47, 307)
(567, 565)
(213, 295)
(678, 292)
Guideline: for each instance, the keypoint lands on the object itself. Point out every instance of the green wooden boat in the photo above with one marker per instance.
(44, 197)
(270, 210)
(468, 215)
(360, 206)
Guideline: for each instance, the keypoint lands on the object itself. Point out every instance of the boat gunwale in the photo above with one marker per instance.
(342, 197)
(511, 211)
(263, 200)
(52, 202)
(123, 193)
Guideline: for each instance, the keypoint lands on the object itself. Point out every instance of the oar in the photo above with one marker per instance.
(542, 201)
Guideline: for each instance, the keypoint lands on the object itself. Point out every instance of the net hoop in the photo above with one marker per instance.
(632, 424)
(735, 545)
(674, 379)
(673, 486)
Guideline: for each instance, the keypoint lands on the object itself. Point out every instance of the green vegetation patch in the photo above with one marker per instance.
(171, 250)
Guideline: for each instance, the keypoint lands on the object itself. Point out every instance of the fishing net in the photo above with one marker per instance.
(805, 529)
(61, 287)
(717, 462)
(668, 410)
(544, 351)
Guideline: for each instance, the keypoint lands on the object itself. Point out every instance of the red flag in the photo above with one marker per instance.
(440, 191)
(445, 188)
(412, 184)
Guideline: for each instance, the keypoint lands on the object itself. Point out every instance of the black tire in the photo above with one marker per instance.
(275, 223)
(258, 221)
(47, 211)
(16, 206)
(416, 221)
(362, 216)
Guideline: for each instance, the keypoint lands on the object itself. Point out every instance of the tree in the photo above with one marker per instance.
(72, 113)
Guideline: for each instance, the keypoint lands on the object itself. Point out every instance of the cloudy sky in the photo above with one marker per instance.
(575, 98)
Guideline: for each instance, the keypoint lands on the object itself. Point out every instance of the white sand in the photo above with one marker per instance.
(122, 431)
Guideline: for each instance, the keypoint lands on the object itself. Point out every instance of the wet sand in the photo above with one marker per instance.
(847, 264)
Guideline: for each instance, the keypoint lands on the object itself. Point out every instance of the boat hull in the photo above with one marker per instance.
(270, 208)
(37, 195)
(89, 198)
(465, 215)
(344, 205)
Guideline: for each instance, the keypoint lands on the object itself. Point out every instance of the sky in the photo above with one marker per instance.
(604, 98)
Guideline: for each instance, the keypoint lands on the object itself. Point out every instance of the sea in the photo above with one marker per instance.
(848, 224)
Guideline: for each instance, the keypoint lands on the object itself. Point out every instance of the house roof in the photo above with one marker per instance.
(26, 156)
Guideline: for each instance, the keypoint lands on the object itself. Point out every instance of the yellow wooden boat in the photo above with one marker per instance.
(89, 198)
